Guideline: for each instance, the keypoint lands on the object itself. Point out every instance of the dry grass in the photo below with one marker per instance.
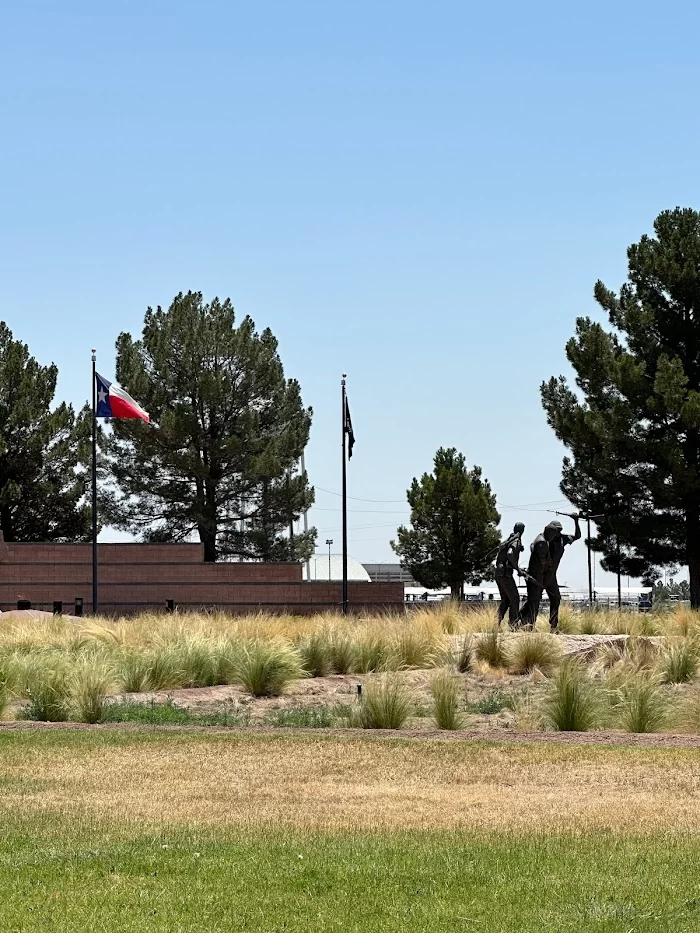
(315, 783)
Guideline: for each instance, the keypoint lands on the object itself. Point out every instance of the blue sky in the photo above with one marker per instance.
(420, 195)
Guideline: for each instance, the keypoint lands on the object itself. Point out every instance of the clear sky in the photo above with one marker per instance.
(420, 195)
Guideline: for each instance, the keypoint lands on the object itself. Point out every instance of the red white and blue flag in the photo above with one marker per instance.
(113, 402)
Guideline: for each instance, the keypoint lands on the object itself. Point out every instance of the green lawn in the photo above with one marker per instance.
(61, 877)
(62, 869)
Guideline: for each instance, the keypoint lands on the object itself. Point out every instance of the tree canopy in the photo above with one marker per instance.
(453, 537)
(227, 432)
(632, 425)
(42, 485)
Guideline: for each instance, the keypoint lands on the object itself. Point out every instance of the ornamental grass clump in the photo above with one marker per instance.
(641, 705)
(371, 652)
(679, 663)
(316, 654)
(444, 689)
(342, 652)
(489, 648)
(266, 668)
(91, 682)
(48, 689)
(464, 660)
(385, 704)
(416, 648)
(571, 704)
(529, 651)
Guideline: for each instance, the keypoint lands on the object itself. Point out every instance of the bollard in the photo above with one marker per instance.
(170, 605)
(78, 611)
(57, 607)
(359, 690)
(24, 604)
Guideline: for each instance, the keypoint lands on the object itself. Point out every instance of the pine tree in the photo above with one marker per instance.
(633, 427)
(228, 429)
(454, 535)
(42, 449)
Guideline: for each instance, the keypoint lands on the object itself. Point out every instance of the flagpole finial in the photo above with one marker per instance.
(94, 357)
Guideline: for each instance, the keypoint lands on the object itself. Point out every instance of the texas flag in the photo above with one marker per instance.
(113, 402)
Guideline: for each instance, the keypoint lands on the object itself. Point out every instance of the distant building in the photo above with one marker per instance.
(319, 569)
(389, 573)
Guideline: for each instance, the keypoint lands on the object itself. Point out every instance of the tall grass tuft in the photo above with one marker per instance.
(316, 654)
(342, 652)
(489, 648)
(266, 668)
(688, 717)
(371, 653)
(386, 704)
(465, 655)
(571, 704)
(679, 664)
(526, 652)
(416, 648)
(444, 689)
(49, 691)
(90, 684)
(641, 706)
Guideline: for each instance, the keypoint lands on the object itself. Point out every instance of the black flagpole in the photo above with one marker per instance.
(345, 510)
(94, 487)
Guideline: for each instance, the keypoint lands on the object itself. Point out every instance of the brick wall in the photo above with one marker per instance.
(136, 577)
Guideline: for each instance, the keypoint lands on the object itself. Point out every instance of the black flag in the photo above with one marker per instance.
(348, 429)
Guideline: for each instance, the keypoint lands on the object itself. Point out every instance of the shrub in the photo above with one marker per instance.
(465, 655)
(489, 648)
(385, 704)
(444, 688)
(90, 684)
(316, 655)
(642, 706)
(266, 668)
(526, 652)
(679, 664)
(571, 704)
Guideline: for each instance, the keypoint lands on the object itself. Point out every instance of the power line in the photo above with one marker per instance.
(359, 499)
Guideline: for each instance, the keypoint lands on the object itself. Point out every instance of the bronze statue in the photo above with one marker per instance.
(546, 552)
(506, 563)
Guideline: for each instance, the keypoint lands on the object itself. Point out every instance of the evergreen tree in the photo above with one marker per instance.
(633, 427)
(42, 487)
(227, 432)
(454, 535)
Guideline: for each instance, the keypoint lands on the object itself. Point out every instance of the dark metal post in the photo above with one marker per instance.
(619, 576)
(94, 486)
(345, 509)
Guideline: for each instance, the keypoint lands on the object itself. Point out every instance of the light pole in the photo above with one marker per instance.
(329, 541)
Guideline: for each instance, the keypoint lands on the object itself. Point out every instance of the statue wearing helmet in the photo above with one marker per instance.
(506, 563)
(546, 552)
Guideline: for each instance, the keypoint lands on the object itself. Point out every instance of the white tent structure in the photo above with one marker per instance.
(319, 569)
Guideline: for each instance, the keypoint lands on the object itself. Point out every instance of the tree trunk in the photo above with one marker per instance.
(209, 541)
(457, 591)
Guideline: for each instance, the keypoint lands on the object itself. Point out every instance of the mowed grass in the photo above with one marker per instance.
(316, 782)
(104, 830)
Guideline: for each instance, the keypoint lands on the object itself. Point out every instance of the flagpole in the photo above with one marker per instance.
(345, 510)
(94, 486)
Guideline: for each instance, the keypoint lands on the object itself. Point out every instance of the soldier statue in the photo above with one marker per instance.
(546, 552)
(506, 563)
